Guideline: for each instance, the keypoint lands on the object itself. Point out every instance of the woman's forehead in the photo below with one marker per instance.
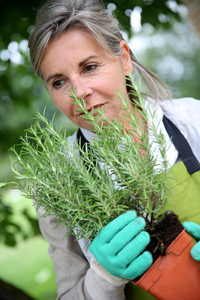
(72, 49)
(73, 41)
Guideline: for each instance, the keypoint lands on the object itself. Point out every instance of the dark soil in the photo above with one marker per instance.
(163, 234)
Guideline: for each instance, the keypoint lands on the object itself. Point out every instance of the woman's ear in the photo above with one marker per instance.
(125, 57)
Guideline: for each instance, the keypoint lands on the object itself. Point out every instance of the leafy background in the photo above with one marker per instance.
(163, 39)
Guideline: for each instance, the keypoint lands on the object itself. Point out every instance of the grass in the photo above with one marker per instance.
(28, 267)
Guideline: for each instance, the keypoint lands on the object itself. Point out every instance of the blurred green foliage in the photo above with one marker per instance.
(16, 225)
(17, 17)
(29, 268)
(155, 12)
(174, 55)
(167, 46)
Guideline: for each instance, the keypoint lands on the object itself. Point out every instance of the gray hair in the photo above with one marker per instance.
(58, 16)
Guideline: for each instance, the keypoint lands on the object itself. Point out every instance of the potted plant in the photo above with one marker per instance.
(87, 186)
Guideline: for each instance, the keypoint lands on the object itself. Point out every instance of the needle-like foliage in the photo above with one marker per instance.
(87, 188)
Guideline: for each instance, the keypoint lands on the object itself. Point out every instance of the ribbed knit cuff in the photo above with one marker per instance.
(105, 274)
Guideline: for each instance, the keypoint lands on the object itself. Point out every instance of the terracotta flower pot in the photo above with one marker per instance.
(176, 275)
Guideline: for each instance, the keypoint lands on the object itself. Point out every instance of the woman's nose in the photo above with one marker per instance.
(82, 87)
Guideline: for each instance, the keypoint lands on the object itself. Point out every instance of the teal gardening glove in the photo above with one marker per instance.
(119, 247)
(194, 230)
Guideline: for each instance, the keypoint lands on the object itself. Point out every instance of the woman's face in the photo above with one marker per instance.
(76, 60)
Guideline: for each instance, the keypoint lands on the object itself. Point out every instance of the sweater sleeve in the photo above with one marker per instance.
(75, 278)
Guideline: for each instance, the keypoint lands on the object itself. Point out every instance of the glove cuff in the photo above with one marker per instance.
(105, 274)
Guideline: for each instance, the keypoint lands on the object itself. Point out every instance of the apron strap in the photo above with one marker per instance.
(182, 145)
(81, 139)
(178, 139)
(83, 143)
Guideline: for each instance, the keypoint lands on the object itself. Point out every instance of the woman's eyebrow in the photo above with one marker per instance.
(86, 59)
(53, 76)
(80, 65)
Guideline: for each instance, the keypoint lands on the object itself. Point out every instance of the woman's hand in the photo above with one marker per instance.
(119, 246)
(194, 230)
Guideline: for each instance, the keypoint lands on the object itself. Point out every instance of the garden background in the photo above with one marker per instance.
(165, 37)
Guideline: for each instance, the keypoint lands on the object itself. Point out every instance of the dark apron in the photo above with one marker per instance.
(185, 197)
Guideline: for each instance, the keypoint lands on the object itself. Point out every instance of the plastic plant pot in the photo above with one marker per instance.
(176, 275)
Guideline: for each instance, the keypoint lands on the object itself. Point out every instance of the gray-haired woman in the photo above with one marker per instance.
(78, 44)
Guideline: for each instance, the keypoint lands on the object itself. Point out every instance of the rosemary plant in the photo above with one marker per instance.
(86, 188)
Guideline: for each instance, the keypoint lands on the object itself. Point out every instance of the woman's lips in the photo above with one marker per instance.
(93, 108)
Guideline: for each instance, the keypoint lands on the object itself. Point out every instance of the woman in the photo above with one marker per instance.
(77, 44)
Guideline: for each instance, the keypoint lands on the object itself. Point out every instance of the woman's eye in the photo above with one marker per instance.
(90, 68)
(57, 84)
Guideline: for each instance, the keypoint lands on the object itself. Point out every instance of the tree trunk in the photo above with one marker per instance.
(194, 13)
